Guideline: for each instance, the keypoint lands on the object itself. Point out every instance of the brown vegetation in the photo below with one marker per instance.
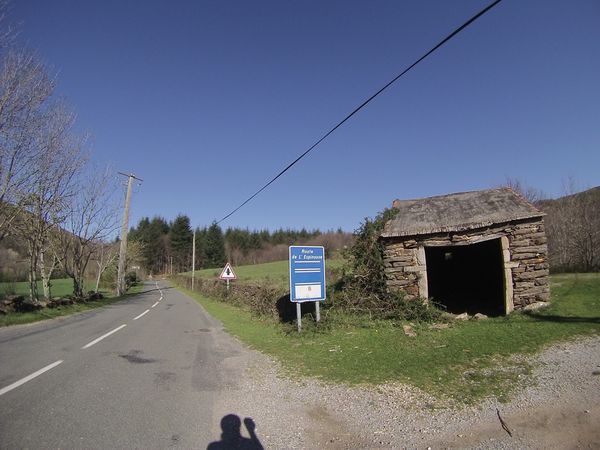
(573, 230)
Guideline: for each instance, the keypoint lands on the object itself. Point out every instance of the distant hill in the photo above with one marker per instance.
(592, 194)
(573, 230)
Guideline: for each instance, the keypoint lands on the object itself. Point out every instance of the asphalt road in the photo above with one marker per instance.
(152, 383)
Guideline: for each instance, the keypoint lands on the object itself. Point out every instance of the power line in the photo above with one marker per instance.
(363, 104)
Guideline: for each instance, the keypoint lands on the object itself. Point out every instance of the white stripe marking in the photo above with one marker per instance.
(154, 304)
(142, 314)
(161, 292)
(16, 384)
(95, 341)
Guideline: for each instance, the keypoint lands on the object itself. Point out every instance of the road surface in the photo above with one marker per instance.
(156, 372)
(139, 374)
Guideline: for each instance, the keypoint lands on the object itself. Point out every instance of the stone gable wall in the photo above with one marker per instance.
(525, 256)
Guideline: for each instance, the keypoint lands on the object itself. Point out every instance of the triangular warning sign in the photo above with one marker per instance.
(227, 273)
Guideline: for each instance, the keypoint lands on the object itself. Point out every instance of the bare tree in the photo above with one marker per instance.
(585, 239)
(58, 160)
(8, 31)
(531, 194)
(105, 256)
(47, 268)
(576, 216)
(573, 229)
(92, 218)
(134, 256)
(25, 90)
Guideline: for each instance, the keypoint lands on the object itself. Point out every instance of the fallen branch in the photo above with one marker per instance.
(504, 426)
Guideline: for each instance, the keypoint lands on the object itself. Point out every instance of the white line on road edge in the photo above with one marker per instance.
(154, 304)
(159, 290)
(142, 314)
(95, 341)
(16, 384)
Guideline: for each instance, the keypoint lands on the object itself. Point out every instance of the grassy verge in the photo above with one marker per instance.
(60, 287)
(50, 313)
(465, 362)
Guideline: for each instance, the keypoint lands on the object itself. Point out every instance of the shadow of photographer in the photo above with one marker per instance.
(231, 437)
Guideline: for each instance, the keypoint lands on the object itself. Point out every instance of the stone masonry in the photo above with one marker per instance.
(524, 253)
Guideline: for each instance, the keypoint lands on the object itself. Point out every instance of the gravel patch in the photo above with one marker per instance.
(556, 407)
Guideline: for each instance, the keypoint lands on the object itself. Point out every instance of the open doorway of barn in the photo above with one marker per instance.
(467, 278)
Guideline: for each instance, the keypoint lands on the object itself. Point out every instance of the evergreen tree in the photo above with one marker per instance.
(180, 236)
(153, 235)
(201, 248)
(158, 242)
(214, 246)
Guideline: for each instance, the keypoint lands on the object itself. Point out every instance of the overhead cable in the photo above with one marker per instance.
(363, 104)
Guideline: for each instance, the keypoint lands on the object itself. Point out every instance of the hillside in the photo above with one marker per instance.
(276, 271)
(573, 230)
(13, 259)
(591, 195)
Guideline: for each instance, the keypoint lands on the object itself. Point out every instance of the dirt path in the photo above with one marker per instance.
(549, 426)
(560, 409)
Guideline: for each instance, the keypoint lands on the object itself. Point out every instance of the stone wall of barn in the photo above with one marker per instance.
(525, 257)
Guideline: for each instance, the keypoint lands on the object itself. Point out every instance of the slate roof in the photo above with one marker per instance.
(458, 212)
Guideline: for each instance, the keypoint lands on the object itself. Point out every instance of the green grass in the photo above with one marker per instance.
(60, 287)
(277, 272)
(466, 362)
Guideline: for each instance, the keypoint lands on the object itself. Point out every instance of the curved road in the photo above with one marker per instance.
(143, 373)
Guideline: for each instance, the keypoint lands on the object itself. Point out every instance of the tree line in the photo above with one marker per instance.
(572, 228)
(52, 198)
(166, 247)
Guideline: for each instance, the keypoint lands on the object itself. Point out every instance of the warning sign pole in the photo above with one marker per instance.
(228, 274)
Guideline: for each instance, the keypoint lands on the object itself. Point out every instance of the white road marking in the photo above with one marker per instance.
(159, 290)
(36, 374)
(141, 315)
(95, 341)
(16, 384)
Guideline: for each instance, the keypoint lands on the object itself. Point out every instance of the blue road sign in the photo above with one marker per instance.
(307, 273)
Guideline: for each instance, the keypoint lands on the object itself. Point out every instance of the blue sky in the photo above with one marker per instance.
(207, 100)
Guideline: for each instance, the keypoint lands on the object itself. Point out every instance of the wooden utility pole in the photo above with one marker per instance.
(121, 287)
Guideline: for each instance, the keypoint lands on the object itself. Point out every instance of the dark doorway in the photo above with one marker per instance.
(467, 278)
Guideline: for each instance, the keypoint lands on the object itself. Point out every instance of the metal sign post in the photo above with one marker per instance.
(299, 316)
(307, 278)
(227, 274)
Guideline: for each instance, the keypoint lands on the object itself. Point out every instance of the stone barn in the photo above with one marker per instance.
(476, 252)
